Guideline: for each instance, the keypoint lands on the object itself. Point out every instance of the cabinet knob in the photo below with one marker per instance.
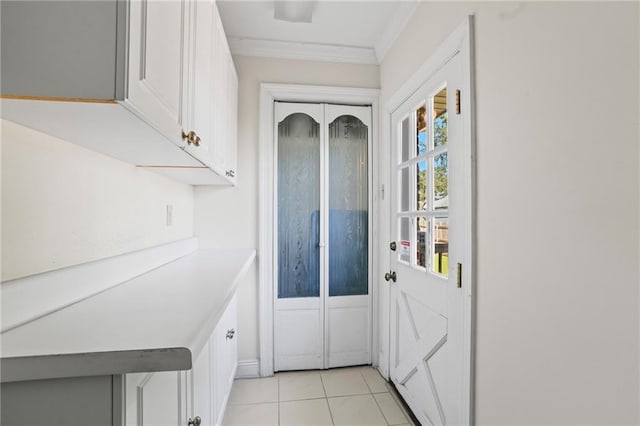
(230, 333)
(189, 137)
(195, 422)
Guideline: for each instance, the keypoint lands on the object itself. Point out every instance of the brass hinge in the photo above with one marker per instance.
(458, 102)
(459, 279)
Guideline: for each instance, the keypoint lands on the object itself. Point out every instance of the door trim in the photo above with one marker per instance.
(460, 41)
(269, 93)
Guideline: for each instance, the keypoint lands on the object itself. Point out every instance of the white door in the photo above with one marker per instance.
(426, 222)
(323, 294)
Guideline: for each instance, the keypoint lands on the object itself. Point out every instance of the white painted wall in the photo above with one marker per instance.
(228, 217)
(63, 204)
(557, 186)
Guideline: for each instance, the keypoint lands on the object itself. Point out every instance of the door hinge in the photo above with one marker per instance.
(458, 102)
(459, 278)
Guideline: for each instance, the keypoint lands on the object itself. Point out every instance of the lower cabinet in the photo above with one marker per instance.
(185, 398)
(69, 401)
(162, 398)
(225, 359)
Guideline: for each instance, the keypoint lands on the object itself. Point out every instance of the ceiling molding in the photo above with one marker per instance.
(300, 50)
(394, 27)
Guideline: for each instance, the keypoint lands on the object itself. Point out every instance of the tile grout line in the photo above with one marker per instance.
(326, 399)
(396, 398)
(374, 398)
(365, 382)
(391, 394)
(278, 397)
(381, 410)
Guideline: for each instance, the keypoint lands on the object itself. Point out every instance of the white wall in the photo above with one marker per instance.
(63, 204)
(228, 217)
(557, 187)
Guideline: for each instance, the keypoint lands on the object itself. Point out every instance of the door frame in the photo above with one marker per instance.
(269, 93)
(460, 42)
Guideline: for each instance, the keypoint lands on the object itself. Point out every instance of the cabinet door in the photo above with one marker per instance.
(155, 399)
(200, 65)
(219, 153)
(69, 401)
(201, 395)
(156, 55)
(232, 121)
(225, 347)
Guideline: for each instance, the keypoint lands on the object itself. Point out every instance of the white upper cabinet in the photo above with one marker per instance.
(231, 140)
(156, 63)
(165, 63)
(199, 105)
(225, 110)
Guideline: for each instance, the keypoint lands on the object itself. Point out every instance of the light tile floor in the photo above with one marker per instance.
(340, 397)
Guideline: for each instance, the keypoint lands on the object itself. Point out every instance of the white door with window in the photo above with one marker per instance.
(322, 297)
(427, 223)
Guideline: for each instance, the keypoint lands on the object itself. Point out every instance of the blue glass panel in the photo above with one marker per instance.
(298, 206)
(348, 207)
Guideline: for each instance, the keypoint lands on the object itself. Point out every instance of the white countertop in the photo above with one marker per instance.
(154, 322)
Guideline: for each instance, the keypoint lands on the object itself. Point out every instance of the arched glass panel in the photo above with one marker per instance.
(298, 207)
(348, 207)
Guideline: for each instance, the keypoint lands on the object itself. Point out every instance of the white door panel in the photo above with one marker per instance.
(427, 222)
(349, 334)
(299, 337)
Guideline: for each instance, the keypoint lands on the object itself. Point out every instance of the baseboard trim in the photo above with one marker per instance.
(248, 369)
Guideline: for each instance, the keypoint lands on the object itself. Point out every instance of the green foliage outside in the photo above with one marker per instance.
(445, 264)
(441, 162)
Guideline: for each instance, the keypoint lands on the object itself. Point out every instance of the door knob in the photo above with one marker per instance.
(390, 276)
(195, 422)
(393, 246)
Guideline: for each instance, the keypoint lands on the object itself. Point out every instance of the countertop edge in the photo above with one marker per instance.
(202, 334)
(116, 362)
(94, 364)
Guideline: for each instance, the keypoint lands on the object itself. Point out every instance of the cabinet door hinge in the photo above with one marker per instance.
(459, 278)
(458, 102)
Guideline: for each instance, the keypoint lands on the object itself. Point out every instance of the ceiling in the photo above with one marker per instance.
(340, 31)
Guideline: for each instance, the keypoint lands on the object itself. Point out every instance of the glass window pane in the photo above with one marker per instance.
(348, 207)
(441, 181)
(404, 189)
(422, 178)
(440, 118)
(421, 240)
(405, 245)
(298, 207)
(421, 130)
(440, 248)
(404, 129)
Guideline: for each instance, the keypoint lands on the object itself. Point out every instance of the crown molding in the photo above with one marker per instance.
(405, 10)
(300, 50)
